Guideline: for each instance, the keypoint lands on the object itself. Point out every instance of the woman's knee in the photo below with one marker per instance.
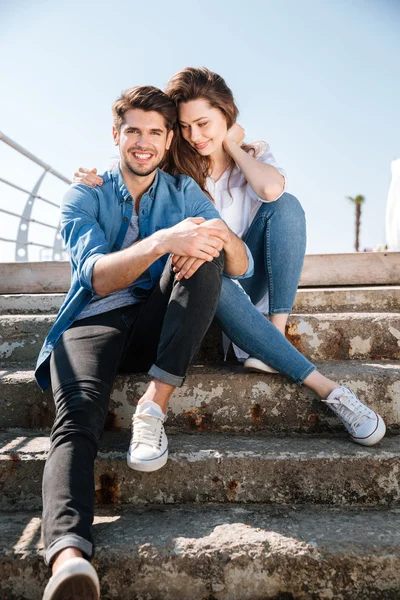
(287, 208)
(290, 206)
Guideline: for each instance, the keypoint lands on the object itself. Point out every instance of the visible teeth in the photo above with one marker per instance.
(143, 156)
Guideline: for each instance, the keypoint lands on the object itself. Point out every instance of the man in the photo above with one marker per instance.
(126, 309)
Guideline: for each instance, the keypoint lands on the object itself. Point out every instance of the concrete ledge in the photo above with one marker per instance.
(221, 399)
(350, 299)
(247, 553)
(30, 304)
(320, 270)
(341, 336)
(218, 468)
(308, 300)
(362, 268)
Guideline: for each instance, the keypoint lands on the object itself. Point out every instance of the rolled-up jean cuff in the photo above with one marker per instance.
(306, 373)
(68, 541)
(280, 311)
(165, 377)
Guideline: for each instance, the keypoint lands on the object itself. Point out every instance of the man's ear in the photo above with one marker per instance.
(115, 134)
(169, 139)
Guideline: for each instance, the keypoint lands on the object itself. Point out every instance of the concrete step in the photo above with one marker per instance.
(308, 300)
(296, 469)
(350, 299)
(222, 553)
(224, 398)
(30, 304)
(318, 336)
(319, 270)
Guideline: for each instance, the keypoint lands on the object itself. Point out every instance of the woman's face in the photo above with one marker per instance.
(202, 126)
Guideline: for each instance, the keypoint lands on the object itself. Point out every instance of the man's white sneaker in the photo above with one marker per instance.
(253, 364)
(365, 426)
(75, 578)
(148, 450)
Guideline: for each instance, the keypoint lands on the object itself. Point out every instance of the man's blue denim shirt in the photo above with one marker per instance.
(94, 223)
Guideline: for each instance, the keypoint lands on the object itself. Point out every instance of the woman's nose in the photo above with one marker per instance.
(195, 136)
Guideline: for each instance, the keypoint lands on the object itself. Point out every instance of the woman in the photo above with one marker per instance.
(247, 187)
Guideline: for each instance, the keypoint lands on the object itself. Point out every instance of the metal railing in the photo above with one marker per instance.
(22, 241)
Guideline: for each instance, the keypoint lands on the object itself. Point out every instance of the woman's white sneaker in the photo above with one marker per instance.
(75, 578)
(365, 426)
(254, 364)
(148, 450)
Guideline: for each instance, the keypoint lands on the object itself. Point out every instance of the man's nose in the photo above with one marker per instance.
(142, 141)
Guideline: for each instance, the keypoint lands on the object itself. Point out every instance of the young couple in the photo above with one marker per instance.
(156, 246)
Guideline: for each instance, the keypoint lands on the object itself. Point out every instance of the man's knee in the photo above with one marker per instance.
(81, 407)
(216, 266)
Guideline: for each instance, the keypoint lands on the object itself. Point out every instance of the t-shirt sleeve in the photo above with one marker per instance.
(264, 155)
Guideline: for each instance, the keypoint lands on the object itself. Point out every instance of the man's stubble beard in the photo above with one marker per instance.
(140, 173)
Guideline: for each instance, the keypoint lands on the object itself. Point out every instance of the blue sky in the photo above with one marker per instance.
(317, 79)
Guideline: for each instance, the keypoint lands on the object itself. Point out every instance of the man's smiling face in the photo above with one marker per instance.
(143, 141)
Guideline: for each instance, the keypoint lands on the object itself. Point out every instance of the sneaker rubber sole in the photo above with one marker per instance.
(76, 579)
(253, 364)
(374, 437)
(147, 466)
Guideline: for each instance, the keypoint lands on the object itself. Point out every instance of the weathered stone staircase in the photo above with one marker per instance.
(263, 497)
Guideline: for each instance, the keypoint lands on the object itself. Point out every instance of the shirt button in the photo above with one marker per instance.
(116, 246)
(126, 219)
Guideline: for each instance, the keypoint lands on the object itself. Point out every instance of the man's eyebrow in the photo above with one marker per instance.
(195, 121)
(130, 127)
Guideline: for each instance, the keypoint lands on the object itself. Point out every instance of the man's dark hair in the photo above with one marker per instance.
(148, 98)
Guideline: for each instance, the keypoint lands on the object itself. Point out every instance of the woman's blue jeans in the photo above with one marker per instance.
(277, 240)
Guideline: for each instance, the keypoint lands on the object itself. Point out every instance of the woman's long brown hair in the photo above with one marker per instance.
(190, 84)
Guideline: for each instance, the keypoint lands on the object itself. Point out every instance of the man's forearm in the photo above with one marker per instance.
(115, 271)
(118, 270)
(236, 260)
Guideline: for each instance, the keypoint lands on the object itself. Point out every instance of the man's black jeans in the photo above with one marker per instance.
(163, 333)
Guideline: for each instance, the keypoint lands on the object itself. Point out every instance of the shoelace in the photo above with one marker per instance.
(353, 411)
(147, 429)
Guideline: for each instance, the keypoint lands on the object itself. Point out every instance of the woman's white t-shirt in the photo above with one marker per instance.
(239, 208)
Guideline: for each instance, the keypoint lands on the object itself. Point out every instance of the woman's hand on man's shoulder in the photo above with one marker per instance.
(87, 177)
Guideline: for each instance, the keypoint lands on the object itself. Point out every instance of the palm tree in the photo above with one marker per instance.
(358, 200)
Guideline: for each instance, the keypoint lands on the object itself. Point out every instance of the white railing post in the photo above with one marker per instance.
(22, 242)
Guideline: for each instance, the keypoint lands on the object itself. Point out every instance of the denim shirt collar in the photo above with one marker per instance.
(123, 193)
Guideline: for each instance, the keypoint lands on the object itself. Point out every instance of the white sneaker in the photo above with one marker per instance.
(148, 450)
(76, 578)
(253, 364)
(365, 426)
